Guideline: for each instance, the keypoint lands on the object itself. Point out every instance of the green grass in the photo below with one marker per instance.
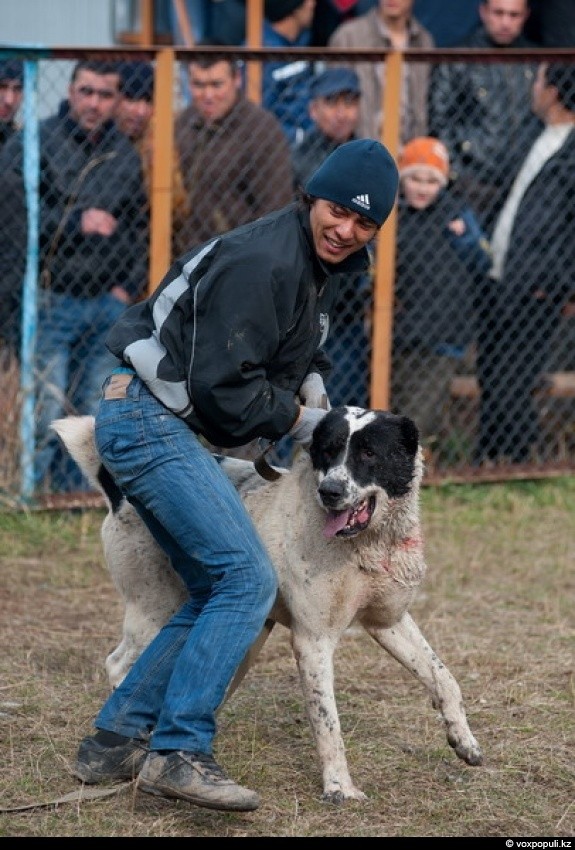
(496, 605)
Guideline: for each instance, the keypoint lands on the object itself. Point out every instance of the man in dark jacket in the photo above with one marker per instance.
(11, 84)
(92, 245)
(480, 110)
(531, 278)
(228, 347)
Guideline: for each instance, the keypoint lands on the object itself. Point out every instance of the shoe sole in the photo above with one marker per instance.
(159, 790)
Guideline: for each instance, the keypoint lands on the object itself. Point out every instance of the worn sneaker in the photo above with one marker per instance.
(108, 757)
(195, 777)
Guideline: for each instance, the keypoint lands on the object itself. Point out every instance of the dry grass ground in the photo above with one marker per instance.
(497, 606)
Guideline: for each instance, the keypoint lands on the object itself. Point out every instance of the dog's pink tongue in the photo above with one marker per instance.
(336, 520)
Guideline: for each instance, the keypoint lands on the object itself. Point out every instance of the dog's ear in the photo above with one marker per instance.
(409, 434)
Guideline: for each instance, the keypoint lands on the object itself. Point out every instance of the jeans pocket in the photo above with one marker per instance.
(119, 432)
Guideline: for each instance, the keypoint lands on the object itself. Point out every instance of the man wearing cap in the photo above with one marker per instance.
(228, 348)
(334, 109)
(11, 82)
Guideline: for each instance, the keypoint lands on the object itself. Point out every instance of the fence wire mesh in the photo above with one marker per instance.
(485, 367)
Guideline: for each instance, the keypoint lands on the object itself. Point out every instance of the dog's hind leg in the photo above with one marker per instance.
(405, 642)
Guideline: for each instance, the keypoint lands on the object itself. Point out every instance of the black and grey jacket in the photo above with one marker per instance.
(230, 333)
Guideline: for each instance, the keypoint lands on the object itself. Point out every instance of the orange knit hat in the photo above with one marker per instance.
(425, 152)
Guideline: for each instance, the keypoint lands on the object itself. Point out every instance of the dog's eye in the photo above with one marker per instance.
(367, 454)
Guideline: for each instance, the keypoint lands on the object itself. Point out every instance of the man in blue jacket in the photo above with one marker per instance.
(227, 347)
(285, 85)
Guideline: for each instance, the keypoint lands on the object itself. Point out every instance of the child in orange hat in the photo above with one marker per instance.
(442, 255)
(424, 170)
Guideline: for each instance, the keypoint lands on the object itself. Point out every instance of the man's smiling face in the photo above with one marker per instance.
(338, 232)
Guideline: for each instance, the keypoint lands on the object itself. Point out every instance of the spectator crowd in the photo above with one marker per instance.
(483, 232)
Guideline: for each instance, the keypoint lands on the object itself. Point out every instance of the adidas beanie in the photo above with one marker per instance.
(360, 175)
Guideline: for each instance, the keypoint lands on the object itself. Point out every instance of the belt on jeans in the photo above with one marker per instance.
(120, 380)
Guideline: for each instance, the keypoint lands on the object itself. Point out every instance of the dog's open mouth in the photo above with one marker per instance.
(351, 521)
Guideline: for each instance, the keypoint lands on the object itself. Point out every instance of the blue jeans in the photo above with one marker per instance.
(197, 517)
(71, 364)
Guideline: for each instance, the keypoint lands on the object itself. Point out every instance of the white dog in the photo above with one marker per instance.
(343, 530)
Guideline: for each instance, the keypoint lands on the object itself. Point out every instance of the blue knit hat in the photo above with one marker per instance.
(360, 175)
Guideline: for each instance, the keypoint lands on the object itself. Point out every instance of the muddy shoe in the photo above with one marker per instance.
(195, 777)
(107, 757)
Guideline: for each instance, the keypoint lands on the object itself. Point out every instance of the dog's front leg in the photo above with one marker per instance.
(406, 643)
(314, 657)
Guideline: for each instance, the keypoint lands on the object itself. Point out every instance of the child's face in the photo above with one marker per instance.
(421, 187)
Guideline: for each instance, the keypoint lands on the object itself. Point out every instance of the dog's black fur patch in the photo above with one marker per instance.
(382, 447)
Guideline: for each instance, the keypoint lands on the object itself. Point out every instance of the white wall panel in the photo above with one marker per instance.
(52, 23)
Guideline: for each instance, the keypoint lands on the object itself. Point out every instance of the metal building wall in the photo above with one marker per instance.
(79, 23)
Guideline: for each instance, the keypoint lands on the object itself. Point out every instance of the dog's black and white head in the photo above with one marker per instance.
(361, 457)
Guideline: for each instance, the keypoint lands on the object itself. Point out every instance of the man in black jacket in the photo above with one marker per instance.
(480, 110)
(93, 243)
(227, 347)
(11, 84)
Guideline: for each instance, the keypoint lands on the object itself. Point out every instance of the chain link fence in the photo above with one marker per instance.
(455, 337)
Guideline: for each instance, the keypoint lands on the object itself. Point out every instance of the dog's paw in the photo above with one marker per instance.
(472, 756)
(337, 796)
(469, 751)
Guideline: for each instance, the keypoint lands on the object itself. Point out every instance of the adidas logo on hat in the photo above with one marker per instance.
(361, 162)
(362, 201)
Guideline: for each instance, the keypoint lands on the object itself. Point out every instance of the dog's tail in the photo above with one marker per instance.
(77, 435)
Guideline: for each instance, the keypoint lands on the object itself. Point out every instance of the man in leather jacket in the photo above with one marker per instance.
(481, 110)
